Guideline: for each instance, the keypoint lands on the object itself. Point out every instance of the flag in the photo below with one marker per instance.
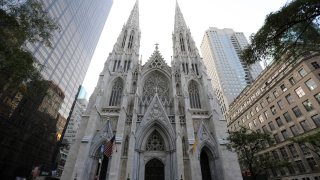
(194, 146)
(109, 147)
(198, 138)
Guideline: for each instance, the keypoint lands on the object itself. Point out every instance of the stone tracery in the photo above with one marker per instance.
(155, 142)
(116, 93)
(156, 82)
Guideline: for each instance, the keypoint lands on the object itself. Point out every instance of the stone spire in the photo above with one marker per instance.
(129, 38)
(125, 53)
(179, 22)
(185, 53)
(133, 20)
(183, 43)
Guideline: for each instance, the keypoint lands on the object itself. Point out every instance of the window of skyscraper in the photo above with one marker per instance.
(317, 96)
(265, 129)
(311, 84)
(316, 119)
(285, 134)
(250, 125)
(283, 87)
(280, 104)
(273, 110)
(271, 125)
(276, 138)
(292, 81)
(261, 118)
(266, 114)
(279, 121)
(289, 98)
(305, 126)
(275, 93)
(299, 91)
(297, 111)
(294, 130)
(254, 122)
(307, 104)
(257, 108)
(287, 116)
(315, 65)
(302, 72)
(268, 99)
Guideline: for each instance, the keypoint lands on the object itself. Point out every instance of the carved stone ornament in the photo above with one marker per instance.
(155, 142)
(156, 82)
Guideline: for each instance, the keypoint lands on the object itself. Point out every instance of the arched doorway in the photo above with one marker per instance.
(104, 168)
(205, 166)
(154, 170)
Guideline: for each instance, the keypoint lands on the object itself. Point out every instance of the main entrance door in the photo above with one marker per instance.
(205, 166)
(154, 170)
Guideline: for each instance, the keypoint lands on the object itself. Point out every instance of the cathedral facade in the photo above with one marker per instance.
(166, 120)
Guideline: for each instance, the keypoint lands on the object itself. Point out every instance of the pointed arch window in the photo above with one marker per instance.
(114, 65)
(194, 95)
(195, 68)
(126, 145)
(116, 94)
(124, 39)
(182, 42)
(134, 81)
(155, 142)
(184, 146)
(188, 42)
(131, 40)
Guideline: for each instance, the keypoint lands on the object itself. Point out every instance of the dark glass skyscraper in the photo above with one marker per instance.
(31, 126)
(67, 62)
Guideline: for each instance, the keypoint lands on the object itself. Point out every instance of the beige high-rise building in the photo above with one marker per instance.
(221, 50)
(285, 101)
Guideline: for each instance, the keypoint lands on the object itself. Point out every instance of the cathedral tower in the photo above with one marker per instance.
(166, 121)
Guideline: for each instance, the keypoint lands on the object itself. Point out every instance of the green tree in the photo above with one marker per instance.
(248, 145)
(311, 141)
(287, 34)
(21, 22)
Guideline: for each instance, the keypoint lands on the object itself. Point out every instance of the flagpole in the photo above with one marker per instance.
(100, 166)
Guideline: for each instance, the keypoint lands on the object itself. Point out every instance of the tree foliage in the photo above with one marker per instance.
(311, 141)
(248, 145)
(22, 22)
(287, 34)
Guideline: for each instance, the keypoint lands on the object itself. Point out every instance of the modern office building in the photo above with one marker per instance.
(31, 125)
(221, 49)
(75, 119)
(66, 64)
(285, 101)
(29, 132)
(69, 137)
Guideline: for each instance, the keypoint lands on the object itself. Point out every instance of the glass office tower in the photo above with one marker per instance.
(30, 132)
(67, 62)
(221, 50)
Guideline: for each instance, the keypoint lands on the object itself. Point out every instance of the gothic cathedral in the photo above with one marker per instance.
(166, 120)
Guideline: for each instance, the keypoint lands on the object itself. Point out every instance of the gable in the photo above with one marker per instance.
(155, 114)
(156, 61)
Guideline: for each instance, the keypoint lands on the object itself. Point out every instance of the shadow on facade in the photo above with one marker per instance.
(29, 127)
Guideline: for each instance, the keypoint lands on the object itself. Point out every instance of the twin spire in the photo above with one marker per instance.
(133, 19)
